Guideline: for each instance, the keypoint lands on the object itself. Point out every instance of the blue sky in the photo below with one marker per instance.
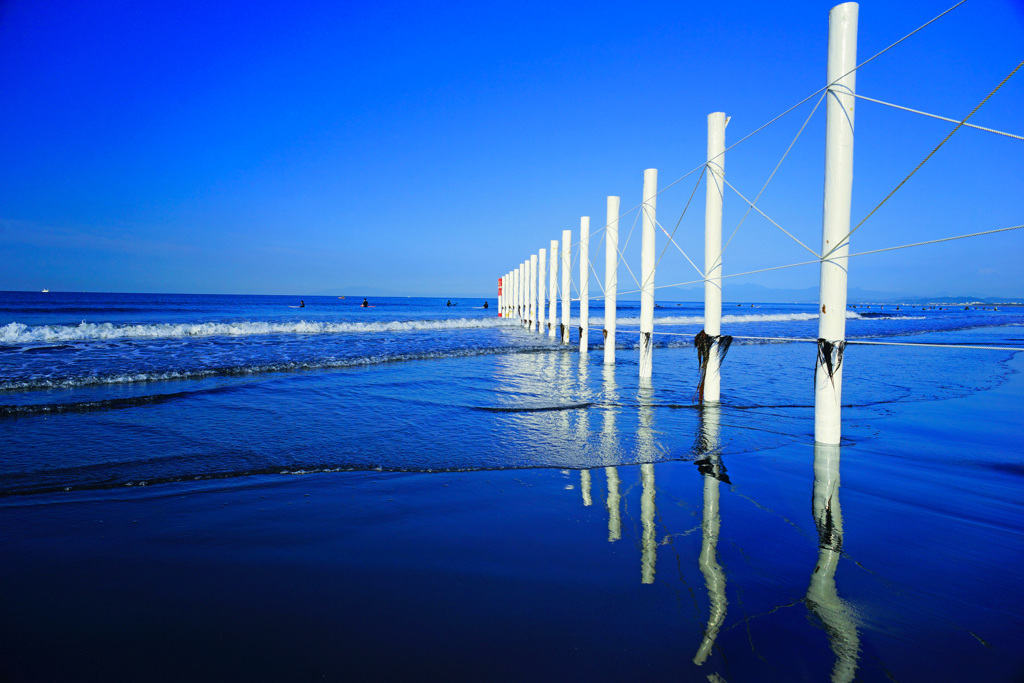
(427, 149)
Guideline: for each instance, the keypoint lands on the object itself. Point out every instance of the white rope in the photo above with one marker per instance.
(673, 242)
(936, 116)
(864, 342)
(769, 219)
(622, 252)
(883, 51)
(939, 346)
(675, 229)
(944, 239)
(958, 126)
(801, 102)
(860, 253)
(591, 268)
(765, 186)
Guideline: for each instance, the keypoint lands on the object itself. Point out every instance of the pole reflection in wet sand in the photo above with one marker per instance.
(614, 514)
(583, 427)
(647, 509)
(610, 450)
(645, 444)
(710, 466)
(836, 616)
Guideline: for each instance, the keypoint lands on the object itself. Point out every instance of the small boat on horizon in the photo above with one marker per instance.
(45, 291)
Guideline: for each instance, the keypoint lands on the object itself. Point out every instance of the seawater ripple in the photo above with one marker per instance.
(243, 370)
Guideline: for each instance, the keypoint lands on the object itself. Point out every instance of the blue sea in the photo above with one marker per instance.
(200, 487)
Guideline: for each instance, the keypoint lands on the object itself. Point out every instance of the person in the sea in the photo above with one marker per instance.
(449, 302)
(302, 304)
(365, 304)
(485, 305)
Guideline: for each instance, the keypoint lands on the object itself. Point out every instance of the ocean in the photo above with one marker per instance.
(199, 487)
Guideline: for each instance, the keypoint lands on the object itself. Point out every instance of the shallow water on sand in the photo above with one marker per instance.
(491, 507)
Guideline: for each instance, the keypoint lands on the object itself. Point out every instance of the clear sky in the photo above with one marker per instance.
(428, 148)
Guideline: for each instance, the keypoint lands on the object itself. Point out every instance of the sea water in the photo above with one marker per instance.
(100, 390)
(183, 395)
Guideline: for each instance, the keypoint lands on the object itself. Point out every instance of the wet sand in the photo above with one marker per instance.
(511, 575)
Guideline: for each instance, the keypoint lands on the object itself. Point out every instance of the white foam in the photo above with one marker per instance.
(18, 333)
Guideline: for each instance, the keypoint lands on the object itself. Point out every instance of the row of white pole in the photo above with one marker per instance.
(522, 294)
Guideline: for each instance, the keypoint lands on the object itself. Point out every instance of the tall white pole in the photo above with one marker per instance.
(552, 286)
(534, 310)
(584, 284)
(541, 296)
(647, 259)
(566, 301)
(828, 374)
(713, 249)
(611, 277)
(526, 292)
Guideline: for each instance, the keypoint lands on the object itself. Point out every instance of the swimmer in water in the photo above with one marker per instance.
(302, 304)
(365, 304)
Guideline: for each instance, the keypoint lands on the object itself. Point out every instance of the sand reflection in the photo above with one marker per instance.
(835, 615)
(646, 448)
(710, 466)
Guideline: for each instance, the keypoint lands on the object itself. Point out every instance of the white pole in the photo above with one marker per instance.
(523, 274)
(552, 287)
(713, 249)
(526, 292)
(611, 277)
(842, 58)
(515, 293)
(584, 284)
(541, 296)
(520, 272)
(647, 272)
(566, 301)
(534, 311)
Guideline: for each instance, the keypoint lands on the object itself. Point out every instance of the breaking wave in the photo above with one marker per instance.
(18, 333)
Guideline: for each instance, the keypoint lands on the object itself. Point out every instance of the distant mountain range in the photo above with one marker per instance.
(734, 293)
